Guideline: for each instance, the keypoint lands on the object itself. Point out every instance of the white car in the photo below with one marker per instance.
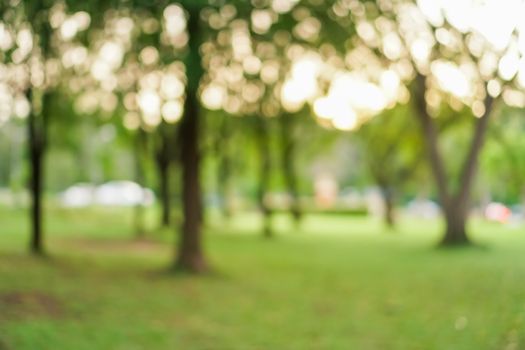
(114, 193)
(123, 193)
(78, 196)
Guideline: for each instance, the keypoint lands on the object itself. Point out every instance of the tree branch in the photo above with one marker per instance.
(431, 138)
(470, 165)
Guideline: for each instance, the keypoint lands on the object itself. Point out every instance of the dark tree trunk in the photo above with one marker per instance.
(224, 173)
(263, 143)
(455, 206)
(38, 131)
(384, 181)
(190, 255)
(288, 159)
(165, 195)
(36, 197)
(37, 143)
(431, 140)
(190, 252)
(455, 229)
(163, 159)
(389, 215)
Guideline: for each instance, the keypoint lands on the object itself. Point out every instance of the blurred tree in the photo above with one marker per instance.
(289, 142)
(165, 156)
(38, 123)
(136, 61)
(262, 139)
(190, 251)
(393, 154)
(446, 60)
(249, 59)
(35, 71)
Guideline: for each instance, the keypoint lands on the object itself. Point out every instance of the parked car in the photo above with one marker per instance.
(114, 193)
(123, 193)
(78, 196)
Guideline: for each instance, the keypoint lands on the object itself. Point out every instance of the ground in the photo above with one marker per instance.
(335, 283)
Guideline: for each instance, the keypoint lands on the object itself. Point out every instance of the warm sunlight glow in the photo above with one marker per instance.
(362, 95)
(337, 111)
(213, 96)
(493, 19)
(451, 79)
(149, 103)
(6, 38)
(172, 111)
(302, 85)
(171, 86)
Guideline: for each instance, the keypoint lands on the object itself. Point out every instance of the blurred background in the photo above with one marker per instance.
(299, 159)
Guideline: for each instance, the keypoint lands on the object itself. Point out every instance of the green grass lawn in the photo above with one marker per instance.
(336, 283)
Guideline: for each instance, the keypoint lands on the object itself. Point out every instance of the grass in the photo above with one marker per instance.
(335, 283)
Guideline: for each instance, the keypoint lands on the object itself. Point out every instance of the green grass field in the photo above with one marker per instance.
(336, 283)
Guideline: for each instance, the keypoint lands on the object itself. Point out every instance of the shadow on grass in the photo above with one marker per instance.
(172, 272)
(30, 304)
(456, 250)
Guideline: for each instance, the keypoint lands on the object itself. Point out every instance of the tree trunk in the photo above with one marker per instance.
(37, 245)
(165, 195)
(430, 136)
(455, 226)
(190, 256)
(190, 252)
(263, 144)
(389, 216)
(35, 185)
(455, 206)
(163, 160)
(37, 130)
(225, 168)
(457, 211)
(290, 176)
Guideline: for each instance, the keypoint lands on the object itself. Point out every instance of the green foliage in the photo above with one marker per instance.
(393, 146)
(503, 161)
